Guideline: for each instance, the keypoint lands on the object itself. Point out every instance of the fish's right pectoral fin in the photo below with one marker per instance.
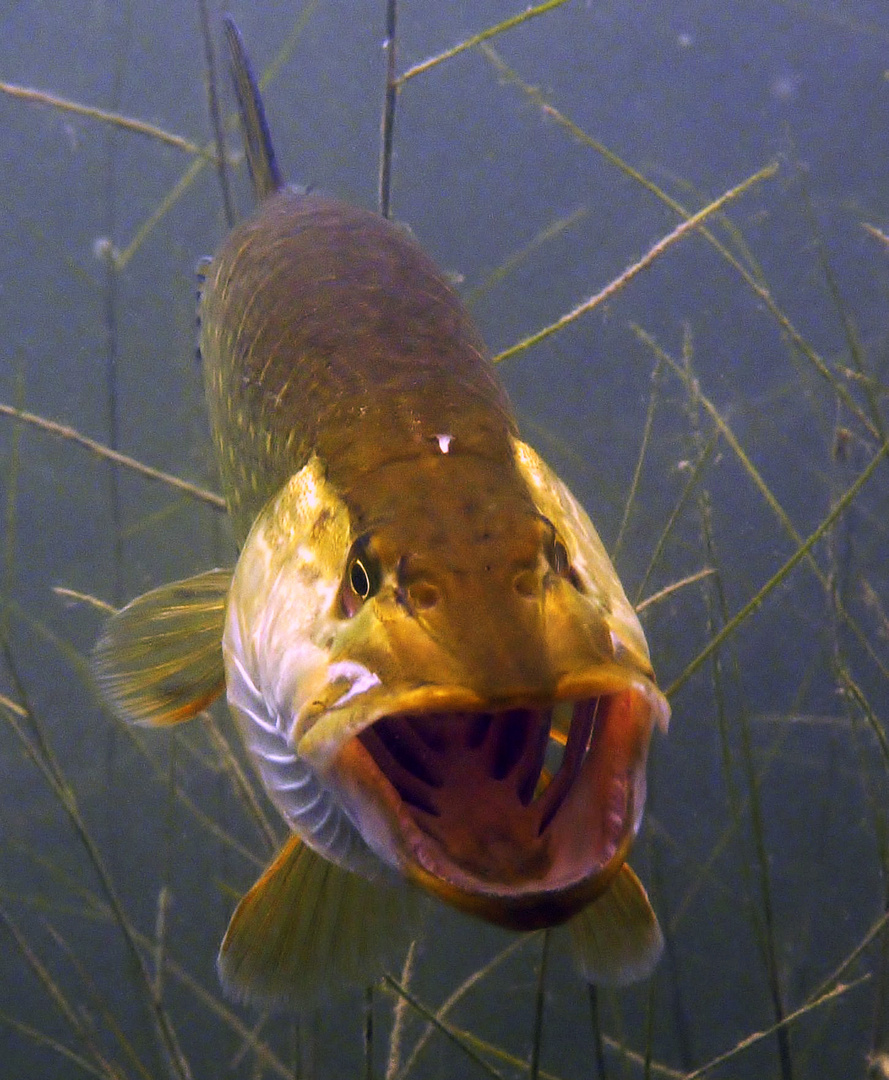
(308, 928)
(617, 939)
(159, 660)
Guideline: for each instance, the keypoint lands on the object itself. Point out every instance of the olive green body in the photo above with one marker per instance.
(326, 329)
(420, 607)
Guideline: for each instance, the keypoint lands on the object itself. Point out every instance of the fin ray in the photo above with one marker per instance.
(309, 927)
(159, 660)
(617, 939)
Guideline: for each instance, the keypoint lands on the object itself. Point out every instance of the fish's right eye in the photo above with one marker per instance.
(360, 582)
(359, 579)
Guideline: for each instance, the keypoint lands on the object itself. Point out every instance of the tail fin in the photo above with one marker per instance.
(257, 141)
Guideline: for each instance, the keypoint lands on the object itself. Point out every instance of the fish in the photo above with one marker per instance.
(424, 645)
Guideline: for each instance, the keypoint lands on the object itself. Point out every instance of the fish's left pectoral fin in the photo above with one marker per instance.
(617, 939)
(309, 928)
(159, 660)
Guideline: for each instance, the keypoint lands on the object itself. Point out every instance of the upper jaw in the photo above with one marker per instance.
(354, 697)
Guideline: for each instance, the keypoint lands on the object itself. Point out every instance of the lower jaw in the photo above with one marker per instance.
(528, 909)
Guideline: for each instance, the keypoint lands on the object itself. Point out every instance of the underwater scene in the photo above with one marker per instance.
(670, 223)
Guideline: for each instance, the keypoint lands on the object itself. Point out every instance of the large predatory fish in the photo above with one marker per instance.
(425, 646)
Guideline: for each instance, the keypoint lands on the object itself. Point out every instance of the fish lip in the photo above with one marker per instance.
(575, 855)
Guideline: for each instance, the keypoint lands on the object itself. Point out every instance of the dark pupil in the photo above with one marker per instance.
(359, 580)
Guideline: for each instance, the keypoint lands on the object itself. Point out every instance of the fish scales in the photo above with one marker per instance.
(327, 329)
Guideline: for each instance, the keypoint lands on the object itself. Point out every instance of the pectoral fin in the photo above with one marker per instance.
(159, 660)
(308, 927)
(617, 939)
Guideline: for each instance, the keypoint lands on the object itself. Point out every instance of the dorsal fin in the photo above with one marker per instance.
(254, 127)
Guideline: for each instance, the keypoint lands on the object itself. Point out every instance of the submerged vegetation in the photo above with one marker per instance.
(721, 408)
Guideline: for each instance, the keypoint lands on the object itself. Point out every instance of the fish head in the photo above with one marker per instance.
(463, 672)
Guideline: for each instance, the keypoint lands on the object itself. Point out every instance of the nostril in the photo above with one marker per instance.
(525, 583)
(423, 595)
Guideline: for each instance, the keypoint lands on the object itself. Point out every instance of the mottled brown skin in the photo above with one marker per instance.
(328, 333)
(327, 329)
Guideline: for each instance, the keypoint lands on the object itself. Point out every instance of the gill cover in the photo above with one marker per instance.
(280, 625)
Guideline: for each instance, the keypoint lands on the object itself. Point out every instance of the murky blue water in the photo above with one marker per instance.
(765, 842)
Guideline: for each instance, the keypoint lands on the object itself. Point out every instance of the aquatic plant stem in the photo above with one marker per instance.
(63, 431)
(539, 1004)
(112, 336)
(477, 39)
(850, 332)
(106, 116)
(764, 490)
(446, 1029)
(596, 1023)
(369, 1033)
(757, 287)
(717, 613)
(81, 666)
(640, 460)
(517, 258)
(694, 477)
(41, 1038)
(474, 979)
(399, 1016)
(212, 1002)
(390, 99)
(40, 753)
(76, 1022)
(636, 268)
(756, 601)
(215, 113)
(100, 1003)
(757, 1036)
(669, 590)
(205, 154)
(10, 521)
(669, 966)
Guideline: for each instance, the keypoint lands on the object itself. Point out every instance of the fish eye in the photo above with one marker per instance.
(361, 579)
(559, 560)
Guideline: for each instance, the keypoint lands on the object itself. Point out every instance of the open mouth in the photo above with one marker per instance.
(521, 815)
